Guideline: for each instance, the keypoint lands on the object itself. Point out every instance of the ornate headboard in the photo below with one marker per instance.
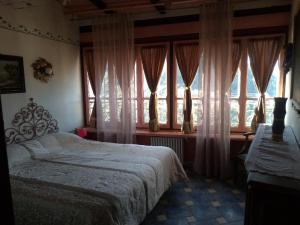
(30, 122)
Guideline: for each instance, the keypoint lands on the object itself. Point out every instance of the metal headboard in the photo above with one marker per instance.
(30, 122)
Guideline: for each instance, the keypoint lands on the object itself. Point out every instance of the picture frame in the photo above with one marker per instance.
(295, 88)
(11, 74)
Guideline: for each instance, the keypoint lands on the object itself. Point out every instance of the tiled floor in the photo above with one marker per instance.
(199, 202)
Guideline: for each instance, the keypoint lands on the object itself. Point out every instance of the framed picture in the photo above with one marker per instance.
(11, 74)
(295, 95)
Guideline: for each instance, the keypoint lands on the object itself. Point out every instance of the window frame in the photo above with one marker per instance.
(86, 97)
(140, 85)
(175, 123)
(242, 99)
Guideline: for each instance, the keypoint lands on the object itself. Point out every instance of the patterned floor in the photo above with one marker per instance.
(199, 202)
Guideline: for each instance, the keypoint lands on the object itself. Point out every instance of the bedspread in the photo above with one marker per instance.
(86, 182)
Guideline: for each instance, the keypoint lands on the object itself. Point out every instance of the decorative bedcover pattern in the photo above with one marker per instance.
(87, 182)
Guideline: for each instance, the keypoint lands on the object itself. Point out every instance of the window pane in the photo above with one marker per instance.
(197, 111)
(179, 117)
(250, 106)
(90, 90)
(146, 111)
(91, 105)
(235, 85)
(234, 113)
(105, 106)
(270, 103)
(147, 91)
(163, 82)
(195, 87)
(180, 86)
(162, 111)
(252, 90)
(273, 86)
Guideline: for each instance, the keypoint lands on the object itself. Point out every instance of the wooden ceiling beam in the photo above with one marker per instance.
(100, 4)
(161, 8)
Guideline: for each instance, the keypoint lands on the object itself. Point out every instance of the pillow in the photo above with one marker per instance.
(34, 147)
(16, 154)
(50, 143)
(65, 138)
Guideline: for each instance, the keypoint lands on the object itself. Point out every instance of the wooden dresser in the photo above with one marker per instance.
(273, 185)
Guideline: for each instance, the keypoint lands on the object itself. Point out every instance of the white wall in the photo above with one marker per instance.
(292, 118)
(62, 95)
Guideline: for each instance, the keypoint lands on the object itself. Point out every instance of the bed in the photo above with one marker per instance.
(60, 178)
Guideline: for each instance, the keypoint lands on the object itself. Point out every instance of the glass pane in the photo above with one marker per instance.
(105, 107)
(162, 87)
(179, 117)
(234, 113)
(180, 86)
(105, 86)
(147, 91)
(90, 90)
(270, 103)
(119, 107)
(250, 106)
(252, 90)
(146, 111)
(273, 86)
(235, 85)
(197, 111)
(91, 105)
(162, 111)
(195, 87)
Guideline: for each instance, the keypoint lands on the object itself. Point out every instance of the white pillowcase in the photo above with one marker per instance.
(34, 147)
(16, 154)
(50, 143)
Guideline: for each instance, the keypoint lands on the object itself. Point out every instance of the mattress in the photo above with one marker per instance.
(64, 179)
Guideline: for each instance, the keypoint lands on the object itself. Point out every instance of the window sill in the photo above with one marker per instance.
(171, 133)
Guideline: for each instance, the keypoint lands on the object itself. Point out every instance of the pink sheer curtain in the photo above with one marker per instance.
(213, 133)
(113, 44)
(263, 54)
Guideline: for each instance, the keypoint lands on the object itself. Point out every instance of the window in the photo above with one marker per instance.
(196, 93)
(143, 94)
(244, 95)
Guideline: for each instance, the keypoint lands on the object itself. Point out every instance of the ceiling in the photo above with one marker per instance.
(153, 8)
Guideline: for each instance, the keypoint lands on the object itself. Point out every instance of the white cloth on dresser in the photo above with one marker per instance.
(279, 158)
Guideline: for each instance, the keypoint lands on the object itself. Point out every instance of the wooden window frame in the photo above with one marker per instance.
(140, 85)
(177, 125)
(242, 99)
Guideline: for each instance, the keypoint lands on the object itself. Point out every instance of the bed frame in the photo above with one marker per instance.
(30, 122)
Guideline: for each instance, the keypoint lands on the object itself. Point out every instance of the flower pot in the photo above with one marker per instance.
(278, 122)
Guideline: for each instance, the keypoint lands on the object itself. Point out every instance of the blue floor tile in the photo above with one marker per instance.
(199, 202)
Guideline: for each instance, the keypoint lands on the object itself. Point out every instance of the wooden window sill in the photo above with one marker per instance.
(173, 133)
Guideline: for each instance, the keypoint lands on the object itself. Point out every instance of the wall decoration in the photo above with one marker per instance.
(11, 74)
(5, 24)
(42, 70)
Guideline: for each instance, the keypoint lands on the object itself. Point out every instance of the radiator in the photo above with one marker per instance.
(174, 143)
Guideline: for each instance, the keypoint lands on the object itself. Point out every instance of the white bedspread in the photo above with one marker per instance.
(76, 181)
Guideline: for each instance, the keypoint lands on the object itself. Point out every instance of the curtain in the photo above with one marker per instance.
(236, 57)
(114, 70)
(188, 60)
(263, 54)
(153, 58)
(213, 133)
(90, 67)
